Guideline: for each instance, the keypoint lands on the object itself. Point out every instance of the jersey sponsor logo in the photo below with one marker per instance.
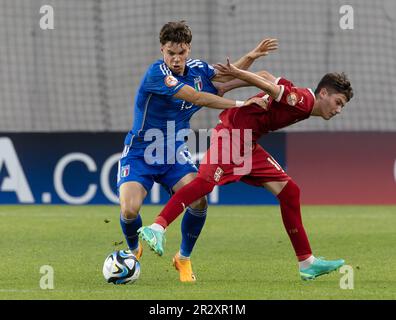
(292, 99)
(218, 173)
(171, 81)
(198, 85)
(125, 171)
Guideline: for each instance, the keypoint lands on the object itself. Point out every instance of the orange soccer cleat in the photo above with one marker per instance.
(184, 267)
(139, 251)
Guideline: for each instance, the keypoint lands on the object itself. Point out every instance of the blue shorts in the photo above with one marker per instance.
(133, 167)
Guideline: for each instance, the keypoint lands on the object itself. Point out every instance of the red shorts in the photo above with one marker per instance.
(218, 166)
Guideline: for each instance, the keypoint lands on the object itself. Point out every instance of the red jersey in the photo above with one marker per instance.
(293, 104)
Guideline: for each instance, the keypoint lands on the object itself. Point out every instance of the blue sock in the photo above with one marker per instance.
(129, 228)
(191, 226)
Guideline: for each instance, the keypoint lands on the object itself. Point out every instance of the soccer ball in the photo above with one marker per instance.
(121, 267)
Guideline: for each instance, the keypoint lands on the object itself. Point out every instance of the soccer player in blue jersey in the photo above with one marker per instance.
(171, 91)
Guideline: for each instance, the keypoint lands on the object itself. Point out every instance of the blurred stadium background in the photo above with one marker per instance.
(81, 77)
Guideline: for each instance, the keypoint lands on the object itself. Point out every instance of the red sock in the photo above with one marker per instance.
(289, 199)
(191, 192)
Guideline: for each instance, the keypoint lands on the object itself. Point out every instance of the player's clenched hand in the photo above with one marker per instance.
(263, 103)
(227, 69)
(264, 48)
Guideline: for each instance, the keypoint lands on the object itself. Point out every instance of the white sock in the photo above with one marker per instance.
(157, 227)
(183, 257)
(306, 263)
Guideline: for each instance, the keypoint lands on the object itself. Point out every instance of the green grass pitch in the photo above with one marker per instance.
(243, 253)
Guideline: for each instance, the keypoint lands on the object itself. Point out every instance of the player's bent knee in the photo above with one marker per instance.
(200, 204)
(129, 211)
(294, 189)
(132, 195)
(290, 193)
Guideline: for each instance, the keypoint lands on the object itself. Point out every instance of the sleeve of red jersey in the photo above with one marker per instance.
(284, 82)
(280, 81)
(300, 98)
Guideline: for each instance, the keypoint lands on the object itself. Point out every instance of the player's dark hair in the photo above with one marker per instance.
(336, 83)
(175, 31)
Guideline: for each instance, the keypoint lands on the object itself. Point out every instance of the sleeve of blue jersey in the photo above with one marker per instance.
(154, 81)
(210, 71)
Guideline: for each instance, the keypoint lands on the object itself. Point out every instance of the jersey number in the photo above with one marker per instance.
(275, 164)
(186, 105)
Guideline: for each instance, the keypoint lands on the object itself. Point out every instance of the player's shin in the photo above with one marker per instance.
(129, 228)
(191, 227)
(289, 199)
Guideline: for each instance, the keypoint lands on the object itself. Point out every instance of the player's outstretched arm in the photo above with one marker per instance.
(209, 100)
(253, 79)
(204, 99)
(223, 88)
(262, 49)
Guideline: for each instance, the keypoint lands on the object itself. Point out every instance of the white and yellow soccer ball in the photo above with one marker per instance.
(121, 267)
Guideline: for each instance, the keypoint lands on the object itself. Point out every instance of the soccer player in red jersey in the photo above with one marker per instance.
(234, 155)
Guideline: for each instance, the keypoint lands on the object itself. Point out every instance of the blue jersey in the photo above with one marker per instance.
(155, 105)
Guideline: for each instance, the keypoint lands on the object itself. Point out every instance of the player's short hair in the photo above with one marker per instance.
(336, 83)
(175, 31)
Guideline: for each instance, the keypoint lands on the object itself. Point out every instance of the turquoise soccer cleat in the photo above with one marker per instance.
(320, 267)
(155, 239)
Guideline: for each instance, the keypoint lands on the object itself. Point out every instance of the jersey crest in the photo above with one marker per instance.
(292, 99)
(125, 171)
(198, 85)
